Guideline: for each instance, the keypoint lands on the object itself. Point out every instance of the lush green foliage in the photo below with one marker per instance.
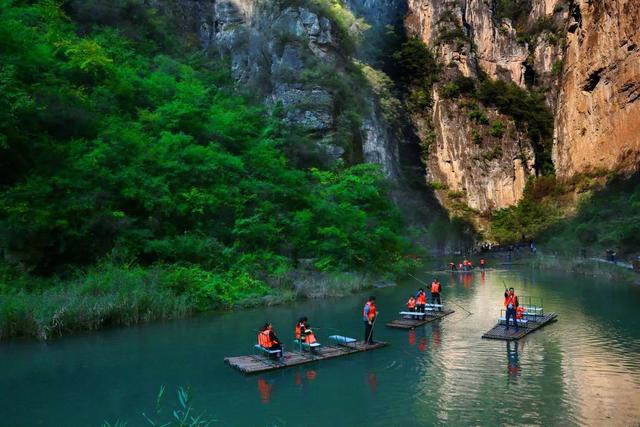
(606, 219)
(139, 151)
(417, 70)
(537, 210)
(530, 112)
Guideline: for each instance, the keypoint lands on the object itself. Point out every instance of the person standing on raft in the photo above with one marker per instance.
(268, 339)
(511, 303)
(421, 301)
(482, 263)
(435, 293)
(369, 314)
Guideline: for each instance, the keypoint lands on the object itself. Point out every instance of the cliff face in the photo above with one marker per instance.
(584, 55)
(598, 114)
(287, 54)
(481, 169)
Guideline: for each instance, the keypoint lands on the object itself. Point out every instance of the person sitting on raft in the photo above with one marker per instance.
(421, 300)
(268, 339)
(511, 303)
(435, 293)
(411, 305)
(307, 334)
(452, 266)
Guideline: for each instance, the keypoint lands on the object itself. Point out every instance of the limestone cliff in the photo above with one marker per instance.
(464, 160)
(584, 55)
(294, 57)
(598, 115)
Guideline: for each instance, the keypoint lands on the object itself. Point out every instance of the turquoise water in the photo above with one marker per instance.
(583, 369)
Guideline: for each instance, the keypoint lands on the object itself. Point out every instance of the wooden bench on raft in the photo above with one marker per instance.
(342, 340)
(306, 346)
(521, 322)
(267, 351)
(412, 313)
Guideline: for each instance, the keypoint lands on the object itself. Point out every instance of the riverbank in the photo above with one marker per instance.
(115, 296)
(591, 267)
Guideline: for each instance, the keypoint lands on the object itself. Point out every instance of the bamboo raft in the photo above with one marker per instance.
(414, 323)
(499, 332)
(257, 363)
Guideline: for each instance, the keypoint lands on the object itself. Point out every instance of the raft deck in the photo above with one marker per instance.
(254, 364)
(413, 323)
(499, 332)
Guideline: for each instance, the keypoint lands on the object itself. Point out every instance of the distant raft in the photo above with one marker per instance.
(532, 319)
(407, 320)
(344, 346)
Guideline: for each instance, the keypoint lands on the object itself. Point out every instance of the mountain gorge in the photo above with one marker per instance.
(193, 154)
(524, 87)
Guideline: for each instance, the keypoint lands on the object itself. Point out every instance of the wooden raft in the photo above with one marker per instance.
(413, 323)
(255, 364)
(499, 332)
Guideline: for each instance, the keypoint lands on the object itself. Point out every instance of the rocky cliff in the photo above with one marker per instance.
(598, 113)
(581, 57)
(584, 57)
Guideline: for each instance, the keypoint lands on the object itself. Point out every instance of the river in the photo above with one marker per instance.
(582, 370)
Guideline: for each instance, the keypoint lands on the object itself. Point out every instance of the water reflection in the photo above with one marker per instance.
(513, 366)
(265, 389)
(372, 380)
(411, 337)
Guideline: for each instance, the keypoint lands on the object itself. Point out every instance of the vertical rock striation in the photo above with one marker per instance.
(598, 112)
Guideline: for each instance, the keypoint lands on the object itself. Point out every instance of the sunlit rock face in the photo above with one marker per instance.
(484, 171)
(488, 175)
(598, 116)
(583, 55)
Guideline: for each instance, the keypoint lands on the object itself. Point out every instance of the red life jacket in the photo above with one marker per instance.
(460, 266)
(411, 304)
(364, 310)
(435, 288)
(519, 312)
(372, 312)
(512, 299)
(264, 339)
(422, 298)
(482, 262)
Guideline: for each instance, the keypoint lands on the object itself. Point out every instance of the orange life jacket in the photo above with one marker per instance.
(298, 329)
(422, 298)
(411, 304)
(435, 288)
(264, 339)
(309, 338)
(519, 312)
(511, 299)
